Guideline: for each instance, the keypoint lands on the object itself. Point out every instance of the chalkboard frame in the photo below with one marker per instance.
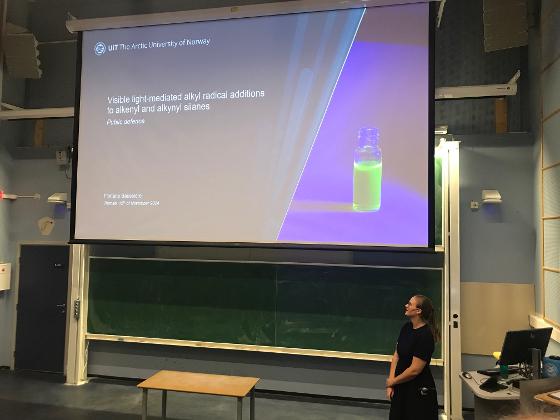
(292, 350)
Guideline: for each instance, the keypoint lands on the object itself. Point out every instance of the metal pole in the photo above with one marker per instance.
(252, 407)
(239, 408)
(145, 404)
(164, 404)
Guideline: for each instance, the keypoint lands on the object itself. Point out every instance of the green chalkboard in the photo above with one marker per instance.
(322, 307)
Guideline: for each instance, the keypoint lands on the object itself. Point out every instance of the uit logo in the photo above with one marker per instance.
(100, 48)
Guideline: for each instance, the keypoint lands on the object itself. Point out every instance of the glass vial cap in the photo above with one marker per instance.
(369, 135)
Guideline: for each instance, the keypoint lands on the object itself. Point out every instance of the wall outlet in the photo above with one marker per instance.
(61, 157)
(5, 269)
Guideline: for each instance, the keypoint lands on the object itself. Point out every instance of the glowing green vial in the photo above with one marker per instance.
(368, 170)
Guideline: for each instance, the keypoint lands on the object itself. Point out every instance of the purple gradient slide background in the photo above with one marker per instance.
(387, 85)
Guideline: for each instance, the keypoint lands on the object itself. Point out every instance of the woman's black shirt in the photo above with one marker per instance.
(416, 343)
(417, 398)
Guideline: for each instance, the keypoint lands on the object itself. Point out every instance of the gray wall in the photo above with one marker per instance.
(6, 254)
(6, 163)
(308, 375)
(27, 177)
(45, 177)
(13, 92)
(497, 240)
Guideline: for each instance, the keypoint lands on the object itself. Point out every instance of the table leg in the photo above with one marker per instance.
(252, 408)
(164, 404)
(239, 408)
(144, 404)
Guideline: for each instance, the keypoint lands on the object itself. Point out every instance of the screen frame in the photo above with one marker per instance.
(90, 24)
(515, 341)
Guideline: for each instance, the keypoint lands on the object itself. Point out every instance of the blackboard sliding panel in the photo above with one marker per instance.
(308, 309)
(246, 347)
(348, 308)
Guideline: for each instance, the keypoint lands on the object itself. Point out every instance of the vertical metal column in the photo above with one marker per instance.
(76, 357)
(452, 287)
(164, 404)
(252, 404)
(145, 404)
(239, 408)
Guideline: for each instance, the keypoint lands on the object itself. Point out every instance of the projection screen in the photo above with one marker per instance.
(302, 128)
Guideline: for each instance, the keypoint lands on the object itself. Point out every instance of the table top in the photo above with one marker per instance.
(544, 397)
(510, 393)
(200, 383)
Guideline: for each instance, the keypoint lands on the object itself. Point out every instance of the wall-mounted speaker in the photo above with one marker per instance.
(20, 53)
(505, 24)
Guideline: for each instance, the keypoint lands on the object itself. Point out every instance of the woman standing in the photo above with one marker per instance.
(410, 385)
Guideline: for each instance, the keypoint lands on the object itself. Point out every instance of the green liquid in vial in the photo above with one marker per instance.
(367, 186)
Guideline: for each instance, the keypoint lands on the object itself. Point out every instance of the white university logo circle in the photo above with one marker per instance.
(100, 48)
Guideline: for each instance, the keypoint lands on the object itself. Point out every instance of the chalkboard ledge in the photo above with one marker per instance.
(247, 347)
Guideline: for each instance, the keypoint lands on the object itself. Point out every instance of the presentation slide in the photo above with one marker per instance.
(306, 128)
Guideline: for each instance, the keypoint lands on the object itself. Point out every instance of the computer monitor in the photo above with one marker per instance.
(518, 344)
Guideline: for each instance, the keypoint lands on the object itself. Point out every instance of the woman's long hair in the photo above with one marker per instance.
(428, 314)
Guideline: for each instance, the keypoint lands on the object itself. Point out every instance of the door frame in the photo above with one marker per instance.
(15, 301)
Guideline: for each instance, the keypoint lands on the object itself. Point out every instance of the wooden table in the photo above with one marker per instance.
(199, 383)
(544, 397)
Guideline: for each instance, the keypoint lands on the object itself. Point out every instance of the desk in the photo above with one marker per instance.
(490, 404)
(199, 383)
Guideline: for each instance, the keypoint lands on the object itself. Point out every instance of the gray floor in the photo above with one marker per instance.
(32, 396)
